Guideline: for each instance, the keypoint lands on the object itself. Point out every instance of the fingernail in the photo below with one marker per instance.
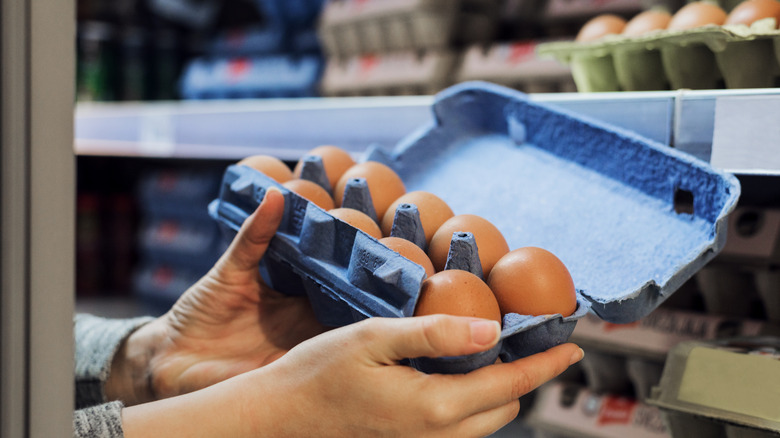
(577, 356)
(484, 332)
(271, 189)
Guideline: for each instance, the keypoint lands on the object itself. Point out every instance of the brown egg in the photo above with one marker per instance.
(750, 11)
(491, 244)
(601, 26)
(533, 281)
(647, 21)
(272, 167)
(456, 292)
(697, 14)
(384, 184)
(359, 220)
(311, 191)
(433, 212)
(411, 252)
(335, 160)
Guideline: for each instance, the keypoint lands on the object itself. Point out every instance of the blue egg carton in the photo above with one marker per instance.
(252, 77)
(290, 13)
(178, 195)
(632, 219)
(254, 40)
(187, 244)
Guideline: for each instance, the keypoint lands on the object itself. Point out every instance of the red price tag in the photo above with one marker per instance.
(616, 410)
(521, 52)
(367, 64)
(237, 69)
(163, 276)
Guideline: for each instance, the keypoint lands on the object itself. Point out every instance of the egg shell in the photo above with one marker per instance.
(410, 251)
(697, 14)
(384, 184)
(647, 21)
(359, 220)
(750, 11)
(273, 167)
(433, 212)
(491, 244)
(533, 281)
(311, 191)
(600, 26)
(335, 160)
(456, 292)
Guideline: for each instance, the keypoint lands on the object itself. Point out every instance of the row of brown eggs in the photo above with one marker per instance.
(693, 15)
(529, 280)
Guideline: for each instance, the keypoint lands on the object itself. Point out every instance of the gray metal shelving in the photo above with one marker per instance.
(287, 128)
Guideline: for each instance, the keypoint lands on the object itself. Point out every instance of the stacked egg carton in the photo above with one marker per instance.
(515, 62)
(742, 282)
(565, 410)
(706, 57)
(725, 388)
(278, 58)
(516, 65)
(511, 60)
(745, 279)
(625, 362)
(399, 47)
(178, 241)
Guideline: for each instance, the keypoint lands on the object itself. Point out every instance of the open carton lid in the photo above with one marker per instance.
(632, 219)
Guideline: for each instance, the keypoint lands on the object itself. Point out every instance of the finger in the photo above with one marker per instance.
(393, 339)
(487, 422)
(258, 229)
(496, 385)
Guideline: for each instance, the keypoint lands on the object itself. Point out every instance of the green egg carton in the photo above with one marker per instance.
(614, 63)
(722, 388)
(709, 57)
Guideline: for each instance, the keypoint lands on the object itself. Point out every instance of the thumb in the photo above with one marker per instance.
(252, 240)
(430, 336)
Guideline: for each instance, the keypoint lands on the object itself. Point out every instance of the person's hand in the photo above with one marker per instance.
(228, 323)
(348, 382)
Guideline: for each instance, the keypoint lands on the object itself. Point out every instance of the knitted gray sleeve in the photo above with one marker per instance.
(97, 340)
(101, 421)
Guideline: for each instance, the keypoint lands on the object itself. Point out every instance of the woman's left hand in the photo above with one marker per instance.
(226, 324)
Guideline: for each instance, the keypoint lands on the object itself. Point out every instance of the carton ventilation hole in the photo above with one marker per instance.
(683, 201)
(748, 223)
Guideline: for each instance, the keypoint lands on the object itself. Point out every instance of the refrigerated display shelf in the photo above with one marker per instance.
(287, 128)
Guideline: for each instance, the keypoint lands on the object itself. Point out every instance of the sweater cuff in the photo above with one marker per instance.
(97, 341)
(102, 421)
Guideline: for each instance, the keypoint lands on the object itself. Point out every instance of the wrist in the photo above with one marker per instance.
(218, 410)
(267, 404)
(130, 377)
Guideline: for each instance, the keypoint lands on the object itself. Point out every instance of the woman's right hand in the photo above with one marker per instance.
(349, 382)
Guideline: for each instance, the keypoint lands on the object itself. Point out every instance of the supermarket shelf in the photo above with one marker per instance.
(570, 411)
(653, 336)
(287, 128)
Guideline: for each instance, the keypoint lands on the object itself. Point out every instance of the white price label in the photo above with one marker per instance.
(746, 134)
(157, 134)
